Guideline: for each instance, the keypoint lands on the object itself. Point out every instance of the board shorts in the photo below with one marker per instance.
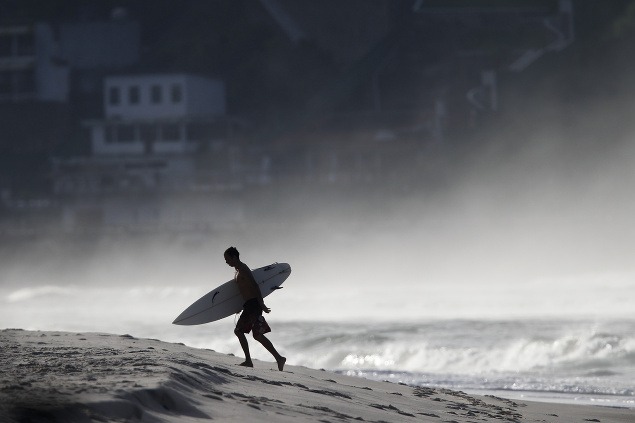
(251, 319)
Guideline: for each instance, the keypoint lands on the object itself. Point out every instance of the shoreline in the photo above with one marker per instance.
(538, 396)
(546, 397)
(82, 377)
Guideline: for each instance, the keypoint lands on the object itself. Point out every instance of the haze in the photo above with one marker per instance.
(525, 213)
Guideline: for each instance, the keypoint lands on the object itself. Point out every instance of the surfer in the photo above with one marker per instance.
(251, 318)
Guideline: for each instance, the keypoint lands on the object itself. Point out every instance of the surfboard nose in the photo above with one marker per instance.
(178, 319)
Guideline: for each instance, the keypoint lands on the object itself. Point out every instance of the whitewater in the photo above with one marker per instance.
(442, 339)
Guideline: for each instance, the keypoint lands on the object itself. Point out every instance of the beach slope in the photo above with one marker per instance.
(73, 377)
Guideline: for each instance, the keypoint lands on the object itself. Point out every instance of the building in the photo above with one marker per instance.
(153, 128)
(34, 114)
(36, 60)
(93, 50)
(31, 68)
(47, 77)
(161, 135)
(159, 114)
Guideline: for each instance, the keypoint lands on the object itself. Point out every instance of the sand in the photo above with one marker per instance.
(75, 377)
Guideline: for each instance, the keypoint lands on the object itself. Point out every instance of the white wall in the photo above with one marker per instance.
(199, 97)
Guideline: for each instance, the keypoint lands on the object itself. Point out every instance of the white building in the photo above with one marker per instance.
(159, 114)
(163, 96)
(161, 134)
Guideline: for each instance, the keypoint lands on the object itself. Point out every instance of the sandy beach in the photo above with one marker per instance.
(85, 377)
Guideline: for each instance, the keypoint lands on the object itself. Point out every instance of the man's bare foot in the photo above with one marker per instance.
(281, 362)
(247, 364)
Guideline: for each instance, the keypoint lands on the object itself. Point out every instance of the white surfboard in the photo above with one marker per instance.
(226, 300)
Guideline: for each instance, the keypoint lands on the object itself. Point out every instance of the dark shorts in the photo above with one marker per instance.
(251, 319)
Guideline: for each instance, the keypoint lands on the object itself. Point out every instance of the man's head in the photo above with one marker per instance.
(232, 256)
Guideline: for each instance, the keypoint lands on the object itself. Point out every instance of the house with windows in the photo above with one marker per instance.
(159, 114)
(161, 135)
(49, 72)
(154, 130)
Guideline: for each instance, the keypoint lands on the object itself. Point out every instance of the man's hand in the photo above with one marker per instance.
(265, 308)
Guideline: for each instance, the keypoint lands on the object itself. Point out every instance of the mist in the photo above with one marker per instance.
(522, 208)
(543, 230)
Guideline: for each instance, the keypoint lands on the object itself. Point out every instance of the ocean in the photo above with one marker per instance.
(550, 354)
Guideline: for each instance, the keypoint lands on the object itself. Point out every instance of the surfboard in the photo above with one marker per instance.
(226, 300)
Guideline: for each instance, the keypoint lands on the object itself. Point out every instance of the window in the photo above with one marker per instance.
(148, 132)
(133, 95)
(177, 93)
(114, 96)
(126, 133)
(171, 132)
(156, 94)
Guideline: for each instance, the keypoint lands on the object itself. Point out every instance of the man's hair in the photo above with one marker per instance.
(233, 252)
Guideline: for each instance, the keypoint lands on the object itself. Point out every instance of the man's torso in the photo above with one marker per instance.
(246, 283)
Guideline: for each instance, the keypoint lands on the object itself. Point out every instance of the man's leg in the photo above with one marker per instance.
(243, 343)
(269, 346)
